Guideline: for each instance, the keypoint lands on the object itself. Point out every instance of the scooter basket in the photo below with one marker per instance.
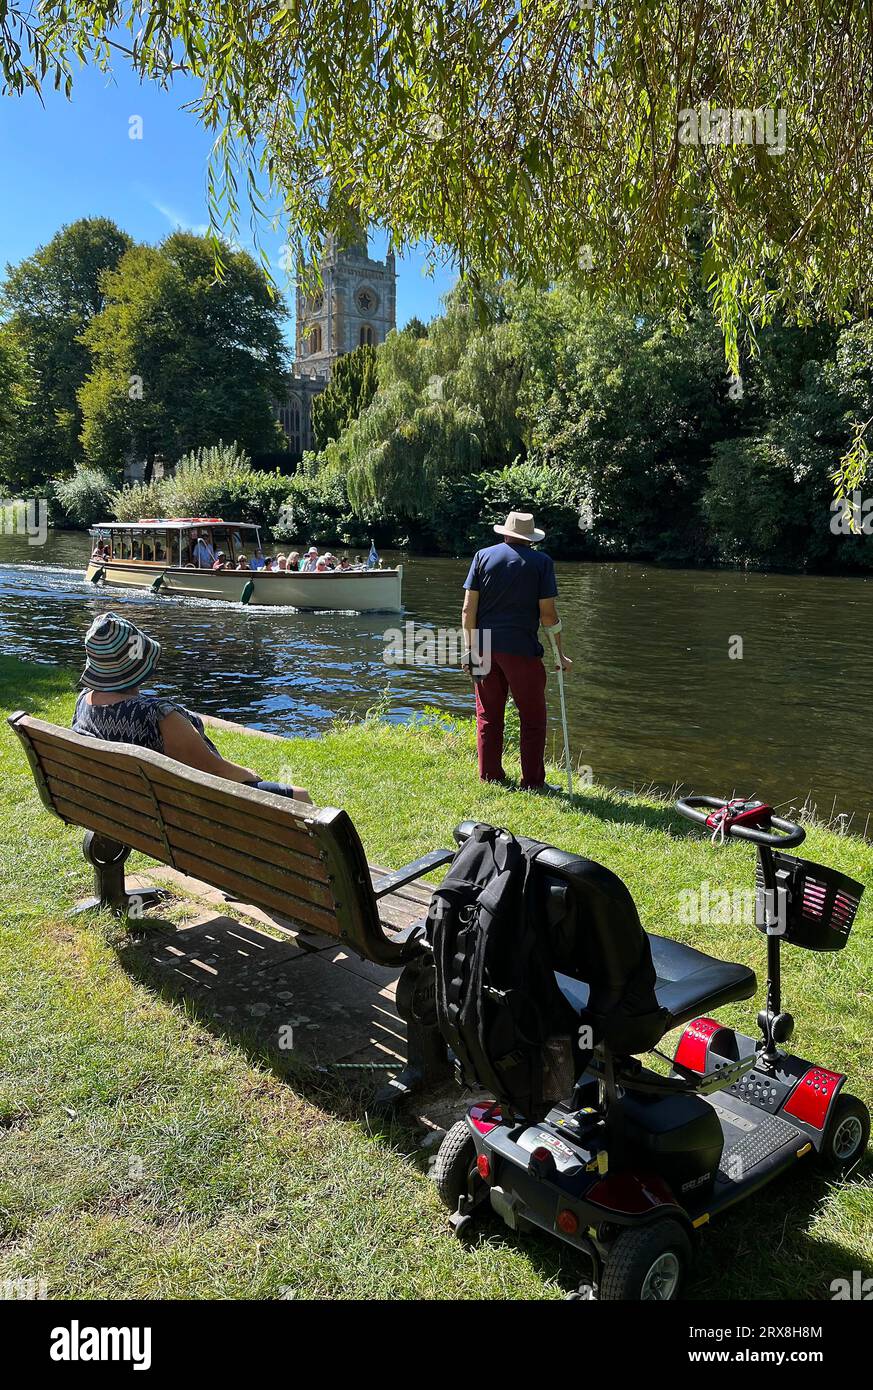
(821, 902)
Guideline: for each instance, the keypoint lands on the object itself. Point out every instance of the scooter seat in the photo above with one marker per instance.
(688, 982)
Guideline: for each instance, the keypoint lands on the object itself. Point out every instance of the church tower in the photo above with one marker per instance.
(355, 304)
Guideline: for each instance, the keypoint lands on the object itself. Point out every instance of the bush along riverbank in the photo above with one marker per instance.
(147, 1153)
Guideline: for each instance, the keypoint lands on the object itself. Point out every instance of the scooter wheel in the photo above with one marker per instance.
(646, 1264)
(455, 1159)
(847, 1135)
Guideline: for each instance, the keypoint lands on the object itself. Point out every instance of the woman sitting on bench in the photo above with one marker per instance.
(119, 658)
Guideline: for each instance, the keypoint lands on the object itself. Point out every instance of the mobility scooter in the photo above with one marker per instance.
(631, 1162)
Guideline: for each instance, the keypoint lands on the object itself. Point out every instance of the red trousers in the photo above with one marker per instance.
(524, 678)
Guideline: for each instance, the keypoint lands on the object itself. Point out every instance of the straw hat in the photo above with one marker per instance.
(120, 656)
(519, 526)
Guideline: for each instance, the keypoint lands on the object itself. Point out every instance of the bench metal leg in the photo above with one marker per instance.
(427, 1057)
(108, 859)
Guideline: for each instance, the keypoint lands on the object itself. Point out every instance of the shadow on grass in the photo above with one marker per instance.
(241, 988)
(761, 1250)
(614, 808)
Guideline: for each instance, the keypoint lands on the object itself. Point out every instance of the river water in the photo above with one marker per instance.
(655, 695)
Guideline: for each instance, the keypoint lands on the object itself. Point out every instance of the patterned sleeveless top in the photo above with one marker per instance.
(135, 721)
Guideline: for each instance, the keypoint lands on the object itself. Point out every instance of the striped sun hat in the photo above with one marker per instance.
(120, 656)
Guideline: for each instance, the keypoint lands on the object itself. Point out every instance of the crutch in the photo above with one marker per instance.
(552, 633)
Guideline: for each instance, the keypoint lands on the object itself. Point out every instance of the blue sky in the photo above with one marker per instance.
(70, 159)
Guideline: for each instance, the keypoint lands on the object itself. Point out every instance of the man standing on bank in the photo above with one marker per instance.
(511, 590)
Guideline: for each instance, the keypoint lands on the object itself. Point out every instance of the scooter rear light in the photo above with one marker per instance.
(568, 1222)
(483, 1164)
(541, 1162)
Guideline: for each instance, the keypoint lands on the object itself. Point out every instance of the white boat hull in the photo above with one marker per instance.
(358, 591)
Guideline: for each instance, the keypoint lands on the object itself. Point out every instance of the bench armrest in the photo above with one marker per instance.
(389, 882)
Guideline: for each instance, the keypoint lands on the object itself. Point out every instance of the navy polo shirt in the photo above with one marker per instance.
(511, 580)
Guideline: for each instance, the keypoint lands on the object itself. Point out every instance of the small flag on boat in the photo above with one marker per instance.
(373, 557)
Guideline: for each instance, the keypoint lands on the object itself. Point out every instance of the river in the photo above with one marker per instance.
(655, 695)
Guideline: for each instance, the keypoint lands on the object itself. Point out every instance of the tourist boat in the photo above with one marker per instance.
(162, 555)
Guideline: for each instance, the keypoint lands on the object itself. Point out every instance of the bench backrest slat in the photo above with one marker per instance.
(281, 855)
(91, 819)
(251, 890)
(108, 779)
(286, 832)
(176, 818)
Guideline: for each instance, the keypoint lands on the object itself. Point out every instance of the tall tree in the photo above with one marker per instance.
(180, 358)
(349, 391)
(16, 398)
(629, 405)
(48, 300)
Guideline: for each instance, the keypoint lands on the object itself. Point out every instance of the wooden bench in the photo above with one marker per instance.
(283, 856)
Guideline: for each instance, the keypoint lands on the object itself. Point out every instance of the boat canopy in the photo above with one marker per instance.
(175, 523)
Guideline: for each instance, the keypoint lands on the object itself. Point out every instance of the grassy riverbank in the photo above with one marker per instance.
(142, 1155)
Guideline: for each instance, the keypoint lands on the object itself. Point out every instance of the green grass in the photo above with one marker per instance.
(144, 1155)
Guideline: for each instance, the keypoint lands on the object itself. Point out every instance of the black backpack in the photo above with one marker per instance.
(499, 1006)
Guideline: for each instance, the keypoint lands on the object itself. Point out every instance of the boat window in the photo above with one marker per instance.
(232, 545)
(135, 545)
(160, 545)
(126, 547)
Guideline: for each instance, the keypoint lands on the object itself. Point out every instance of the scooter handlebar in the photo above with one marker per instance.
(698, 808)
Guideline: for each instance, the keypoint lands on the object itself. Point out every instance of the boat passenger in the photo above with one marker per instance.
(258, 560)
(220, 561)
(307, 564)
(345, 563)
(321, 566)
(120, 657)
(242, 563)
(204, 555)
(97, 552)
(293, 561)
(281, 561)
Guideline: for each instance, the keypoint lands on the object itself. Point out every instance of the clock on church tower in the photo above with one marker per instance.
(366, 299)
